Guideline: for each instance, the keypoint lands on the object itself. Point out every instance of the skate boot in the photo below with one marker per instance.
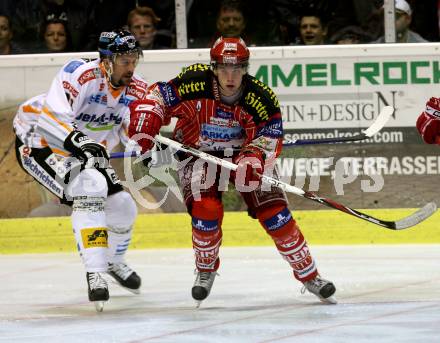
(202, 286)
(125, 276)
(322, 288)
(98, 290)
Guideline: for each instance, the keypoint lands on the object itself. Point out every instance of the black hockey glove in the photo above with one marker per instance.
(87, 150)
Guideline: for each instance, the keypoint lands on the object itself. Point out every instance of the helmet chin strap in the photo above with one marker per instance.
(109, 72)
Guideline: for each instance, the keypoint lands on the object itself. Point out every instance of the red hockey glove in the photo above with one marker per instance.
(428, 123)
(146, 118)
(250, 162)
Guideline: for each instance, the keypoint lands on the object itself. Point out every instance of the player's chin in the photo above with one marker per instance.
(125, 80)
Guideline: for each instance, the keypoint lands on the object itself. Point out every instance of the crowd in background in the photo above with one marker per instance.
(40, 26)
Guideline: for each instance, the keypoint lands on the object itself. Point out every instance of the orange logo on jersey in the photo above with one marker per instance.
(87, 76)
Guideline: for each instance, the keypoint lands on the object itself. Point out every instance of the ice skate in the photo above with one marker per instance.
(98, 290)
(322, 288)
(202, 286)
(125, 276)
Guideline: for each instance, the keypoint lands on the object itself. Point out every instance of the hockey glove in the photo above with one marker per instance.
(146, 118)
(250, 162)
(428, 123)
(87, 150)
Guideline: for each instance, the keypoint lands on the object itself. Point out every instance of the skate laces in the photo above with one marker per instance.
(314, 285)
(96, 281)
(121, 270)
(205, 279)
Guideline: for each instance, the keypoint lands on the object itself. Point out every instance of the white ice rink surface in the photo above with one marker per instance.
(385, 293)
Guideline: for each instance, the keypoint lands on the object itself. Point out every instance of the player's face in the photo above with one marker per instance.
(230, 77)
(123, 68)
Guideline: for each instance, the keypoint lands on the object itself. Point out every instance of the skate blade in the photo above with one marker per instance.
(115, 282)
(99, 306)
(331, 300)
(134, 291)
(198, 303)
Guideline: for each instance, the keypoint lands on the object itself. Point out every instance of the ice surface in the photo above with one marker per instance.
(385, 293)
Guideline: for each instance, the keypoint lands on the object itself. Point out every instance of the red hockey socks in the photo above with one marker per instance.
(207, 216)
(279, 224)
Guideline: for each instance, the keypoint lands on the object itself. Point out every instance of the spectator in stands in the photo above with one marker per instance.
(426, 19)
(142, 22)
(230, 19)
(350, 35)
(55, 34)
(7, 47)
(230, 22)
(313, 29)
(403, 21)
(80, 21)
(25, 19)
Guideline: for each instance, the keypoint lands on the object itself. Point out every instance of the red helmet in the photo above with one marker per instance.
(229, 51)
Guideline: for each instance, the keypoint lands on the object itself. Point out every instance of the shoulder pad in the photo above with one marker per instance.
(194, 82)
(259, 100)
(89, 74)
(72, 66)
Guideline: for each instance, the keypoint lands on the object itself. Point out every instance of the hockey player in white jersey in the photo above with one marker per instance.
(63, 139)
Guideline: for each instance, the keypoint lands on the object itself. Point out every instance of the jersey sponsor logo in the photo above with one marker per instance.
(89, 75)
(224, 122)
(101, 122)
(194, 67)
(219, 112)
(67, 86)
(204, 225)
(42, 176)
(136, 92)
(94, 237)
(191, 87)
(265, 143)
(99, 98)
(278, 220)
(124, 100)
(222, 133)
(273, 128)
(72, 66)
(255, 102)
(168, 94)
(272, 95)
(139, 83)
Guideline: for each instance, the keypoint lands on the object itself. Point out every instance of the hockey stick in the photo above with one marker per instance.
(411, 220)
(374, 128)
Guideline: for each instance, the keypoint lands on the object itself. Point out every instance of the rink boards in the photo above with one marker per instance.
(325, 227)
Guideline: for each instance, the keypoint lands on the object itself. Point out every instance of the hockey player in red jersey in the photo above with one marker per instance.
(83, 116)
(428, 122)
(223, 110)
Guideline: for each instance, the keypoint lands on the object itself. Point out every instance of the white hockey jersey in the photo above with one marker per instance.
(79, 98)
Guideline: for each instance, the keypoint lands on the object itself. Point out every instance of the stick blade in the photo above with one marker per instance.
(380, 121)
(417, 217)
